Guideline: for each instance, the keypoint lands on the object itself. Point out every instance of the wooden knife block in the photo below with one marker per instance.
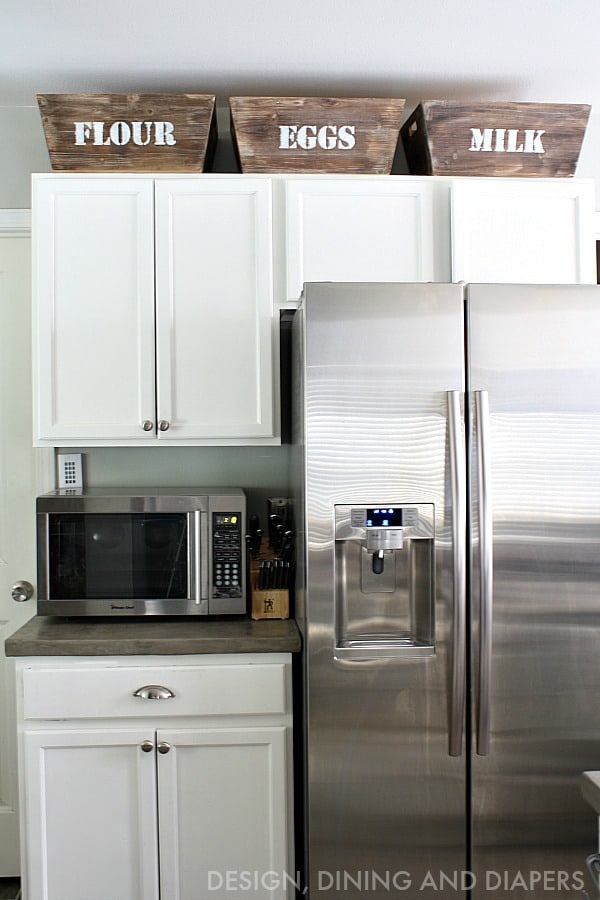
(272, 603)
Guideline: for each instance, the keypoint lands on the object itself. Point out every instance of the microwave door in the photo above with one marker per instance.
(121, 557)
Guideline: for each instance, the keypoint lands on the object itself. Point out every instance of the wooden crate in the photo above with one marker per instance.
(512, 139)
(129, 132)
(315, 134)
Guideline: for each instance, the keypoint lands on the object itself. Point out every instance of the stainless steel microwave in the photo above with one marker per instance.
(168, 552)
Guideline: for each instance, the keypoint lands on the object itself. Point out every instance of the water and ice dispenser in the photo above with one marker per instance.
(384, 581)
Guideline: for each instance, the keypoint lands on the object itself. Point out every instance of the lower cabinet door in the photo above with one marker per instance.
(223, 814)
(90, 815)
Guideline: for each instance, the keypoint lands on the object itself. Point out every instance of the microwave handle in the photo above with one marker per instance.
(199, 556)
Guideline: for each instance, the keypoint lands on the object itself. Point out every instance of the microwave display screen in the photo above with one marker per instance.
(130, 556)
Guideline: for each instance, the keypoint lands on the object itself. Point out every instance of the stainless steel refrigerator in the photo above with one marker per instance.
(447, 472)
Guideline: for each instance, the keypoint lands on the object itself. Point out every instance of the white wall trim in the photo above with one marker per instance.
(15, 222)
(598, 225)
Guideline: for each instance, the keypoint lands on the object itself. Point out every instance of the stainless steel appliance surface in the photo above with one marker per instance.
(124, 552)
(447, 485)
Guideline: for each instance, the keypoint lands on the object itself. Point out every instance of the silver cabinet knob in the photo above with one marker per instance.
(154, 692)
(147, 746)
(163, 425)
(148, 425)
(21, 591)
(163, 747)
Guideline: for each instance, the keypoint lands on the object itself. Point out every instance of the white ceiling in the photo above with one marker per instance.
(542, 50)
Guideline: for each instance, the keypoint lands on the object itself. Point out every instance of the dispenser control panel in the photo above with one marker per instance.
(384, 516)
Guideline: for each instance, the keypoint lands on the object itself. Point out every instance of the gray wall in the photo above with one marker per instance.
(261, 471)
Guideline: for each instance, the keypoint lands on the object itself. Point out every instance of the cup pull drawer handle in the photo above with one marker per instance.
(153, 692)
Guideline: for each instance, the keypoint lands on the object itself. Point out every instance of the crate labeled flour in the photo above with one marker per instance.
(129, 132)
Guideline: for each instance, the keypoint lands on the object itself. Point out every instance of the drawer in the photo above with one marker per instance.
(104, 692)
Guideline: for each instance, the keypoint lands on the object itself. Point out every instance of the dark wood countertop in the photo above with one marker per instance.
(55, 636)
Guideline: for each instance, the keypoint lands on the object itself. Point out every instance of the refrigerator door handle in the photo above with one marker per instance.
(486, 571)
(459, 499)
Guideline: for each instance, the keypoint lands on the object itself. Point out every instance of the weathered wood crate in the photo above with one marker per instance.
(511, 139)
(315, 134)
(129, 132)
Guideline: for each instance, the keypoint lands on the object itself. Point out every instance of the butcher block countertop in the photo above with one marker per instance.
(55, 636)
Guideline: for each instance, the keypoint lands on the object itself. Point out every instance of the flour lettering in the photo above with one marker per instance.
(101, 134)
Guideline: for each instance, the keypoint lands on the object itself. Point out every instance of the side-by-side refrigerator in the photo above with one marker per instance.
(447, 469)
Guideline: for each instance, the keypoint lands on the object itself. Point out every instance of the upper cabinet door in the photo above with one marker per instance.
(523, 231)
(93, 288)
(214, 307)
(365, 229)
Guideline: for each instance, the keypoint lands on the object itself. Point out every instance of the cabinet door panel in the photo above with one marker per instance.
(214, 308)
(90, 816)
(224, 814)
(363, 230)
(93, 270)
(523, 232)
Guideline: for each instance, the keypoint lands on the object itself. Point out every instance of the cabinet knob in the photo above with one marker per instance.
(163, 425)
(154, 692)
(163, 747)
(147, 746)
(148, 425)
(21, 591)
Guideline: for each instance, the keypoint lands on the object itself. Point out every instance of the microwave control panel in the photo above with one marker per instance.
(227, 554)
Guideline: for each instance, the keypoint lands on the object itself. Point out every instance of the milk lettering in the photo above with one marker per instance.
(308, 137)
(506, 140)
(161, 134)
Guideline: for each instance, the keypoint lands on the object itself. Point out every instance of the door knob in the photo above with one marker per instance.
(147, 746)
(21, 591)
(163, 747)
(164, 425)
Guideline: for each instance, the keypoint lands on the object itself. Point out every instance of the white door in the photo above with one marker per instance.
(93, 255)
(90, 810)
(24, 472)
(224, 813)
(524, 231)
(214, 309)
(365, 229)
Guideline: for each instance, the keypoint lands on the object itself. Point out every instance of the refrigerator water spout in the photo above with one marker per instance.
(378, 563)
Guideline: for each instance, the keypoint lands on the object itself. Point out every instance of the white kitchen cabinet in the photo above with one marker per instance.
(365, 229)
(235, 776)
(93, 289)
(214, 308)
(153, 310)
(154, 296)
(91, 814)
(167, 799)
(412, 229)
(523, 230)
